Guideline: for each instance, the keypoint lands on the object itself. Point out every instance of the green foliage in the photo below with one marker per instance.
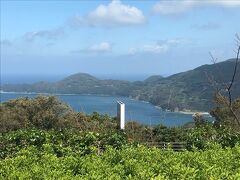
(43, 112)
(205, 136)
(127, 163)
(159, 133)
(227, 116)
(165, 134)
(201, 138)
(53, 142)
(47, 112)
(199, 120)
(79, 142)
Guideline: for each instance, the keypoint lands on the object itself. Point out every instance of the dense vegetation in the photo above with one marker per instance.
(127, 163)
(188, 90)
(42, 154)
(43, 138)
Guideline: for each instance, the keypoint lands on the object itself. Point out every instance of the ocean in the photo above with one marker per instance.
(139, 111)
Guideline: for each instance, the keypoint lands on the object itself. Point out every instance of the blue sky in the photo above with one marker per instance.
(115, 37)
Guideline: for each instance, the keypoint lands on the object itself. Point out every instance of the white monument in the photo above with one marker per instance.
(121, 114)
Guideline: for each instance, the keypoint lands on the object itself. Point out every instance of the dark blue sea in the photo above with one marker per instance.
(139, 111)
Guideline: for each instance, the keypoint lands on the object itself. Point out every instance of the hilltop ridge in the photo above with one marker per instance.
(186, 90)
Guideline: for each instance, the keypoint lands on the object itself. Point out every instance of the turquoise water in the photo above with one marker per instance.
(139, 111)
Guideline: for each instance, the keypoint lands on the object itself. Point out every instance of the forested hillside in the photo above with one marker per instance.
(192, 89)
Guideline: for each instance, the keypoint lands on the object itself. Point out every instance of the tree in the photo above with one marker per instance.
(44, 112)
(227, 112)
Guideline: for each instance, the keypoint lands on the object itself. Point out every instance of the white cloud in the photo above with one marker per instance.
(102, 47)
(155, 48)
(174, 42)
(172, 7)
(208, 26)
(114, 14)
(225, 3)
(180, 6)
(160, 46)
(45, 34)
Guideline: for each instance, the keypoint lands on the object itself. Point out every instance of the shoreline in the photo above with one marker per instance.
(194, 112)
(187, 112)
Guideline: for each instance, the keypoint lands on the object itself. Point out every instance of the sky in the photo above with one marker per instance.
(115, 38)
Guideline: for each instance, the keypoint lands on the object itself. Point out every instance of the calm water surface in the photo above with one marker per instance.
(139, 111)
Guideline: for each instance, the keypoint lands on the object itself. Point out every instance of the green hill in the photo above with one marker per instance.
(153, 79)
(191, 90)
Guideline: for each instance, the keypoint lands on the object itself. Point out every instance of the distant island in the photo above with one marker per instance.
(191, 90)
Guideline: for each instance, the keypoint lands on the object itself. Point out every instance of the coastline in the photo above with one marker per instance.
(194, 112)
(187, 112)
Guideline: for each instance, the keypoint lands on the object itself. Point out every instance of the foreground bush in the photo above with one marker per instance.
(48, 112)
(78, 142)
(127, 163)
(203, 137)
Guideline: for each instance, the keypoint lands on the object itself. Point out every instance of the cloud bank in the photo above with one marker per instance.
(171, 7)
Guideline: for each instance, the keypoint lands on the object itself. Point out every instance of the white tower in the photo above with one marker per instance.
(121, 114)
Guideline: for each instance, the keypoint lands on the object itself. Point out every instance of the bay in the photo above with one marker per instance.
(139, 111)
